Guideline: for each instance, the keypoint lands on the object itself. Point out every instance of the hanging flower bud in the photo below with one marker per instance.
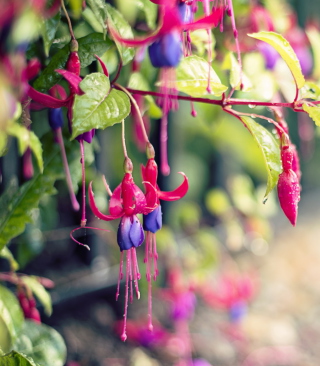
(130, 233)
(55, 118)
(166, 51)
(288, 186)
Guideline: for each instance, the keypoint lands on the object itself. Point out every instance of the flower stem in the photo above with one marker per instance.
(74, 201)
(83, 216)
(222, 102)
(236, 38)
(68, 19)
(135, 104)
(125, 153)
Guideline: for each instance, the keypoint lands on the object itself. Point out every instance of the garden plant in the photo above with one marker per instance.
(103, 103)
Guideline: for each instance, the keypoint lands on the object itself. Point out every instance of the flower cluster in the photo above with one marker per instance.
(126, 202)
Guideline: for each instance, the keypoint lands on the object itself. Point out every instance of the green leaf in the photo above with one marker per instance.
(11, 316)
(39, 291)
(98, 9)
(48, 31)
(230, 63)
(76, 7)
(17, 203)
(138, 81)
(150, 10)
(286, 52)
(118, 22)
(89, 17)
(27, 138)
(16, 359)
(310, 90)
(98, 107)
(269, 149)
(192, 78)
(42, 343)
(5, 253)
(88, 46)
(314, 113)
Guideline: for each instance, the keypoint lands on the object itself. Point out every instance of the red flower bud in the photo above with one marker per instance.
(289, 194)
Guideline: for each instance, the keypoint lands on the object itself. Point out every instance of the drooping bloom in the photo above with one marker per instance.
(288, 186)
(165, 52)
(126, 201)
(152, 222)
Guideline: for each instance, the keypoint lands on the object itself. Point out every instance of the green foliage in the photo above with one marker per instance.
(117, 21)
(89, 45)
(42, 343)
(150, 11)
(100, 106)
(269, 149)
(11, 318)
(230, 63)
(286, 52)
(5, 253)
(16, 359)
(48, 31)
(314, 113)
(17, 203)
(98, 9)
(192, 78)
(27, 139)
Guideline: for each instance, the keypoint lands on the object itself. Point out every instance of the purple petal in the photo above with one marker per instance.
(136, 232)
(123, 238)
(153, 221)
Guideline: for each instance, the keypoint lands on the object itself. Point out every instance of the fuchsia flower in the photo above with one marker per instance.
(126, 202)
(152, 222)
(288, 185)
(170, 22)
(165, 51)
(181, 297)
(28, 306)
(232, 294)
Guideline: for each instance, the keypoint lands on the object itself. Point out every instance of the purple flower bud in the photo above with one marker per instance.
(201, 362)
(130, 233)
(55, 118)
(305, 58)
(153, 221)
(87, 136)
(183, 306)
(185, 12)
(237, 311)
(269, 53)
(166, 51)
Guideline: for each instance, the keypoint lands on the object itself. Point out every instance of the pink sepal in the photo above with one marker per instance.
(115, 202)
(96, 211)
(73, 80)
(177, 193)
(103, 65)
(46, 100)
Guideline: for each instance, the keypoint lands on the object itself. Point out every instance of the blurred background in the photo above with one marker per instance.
(238, 285)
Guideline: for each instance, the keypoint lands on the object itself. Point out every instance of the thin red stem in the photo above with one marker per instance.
(236, 38)
(135, 104)
(124, 329)
(222, 102)
(125, 153)
(68, 19)
(74, 201)
(83, 216)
